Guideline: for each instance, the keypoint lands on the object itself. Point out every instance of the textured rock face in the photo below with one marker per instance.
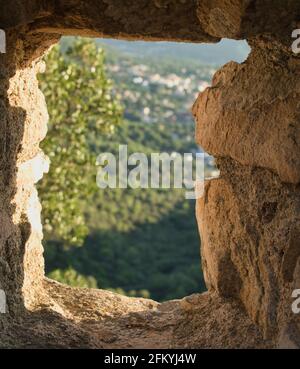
(83, 318)
(251, 113)
(240, 19)
(249, 217)
(249, 223)
(156, 19)
(23, 118)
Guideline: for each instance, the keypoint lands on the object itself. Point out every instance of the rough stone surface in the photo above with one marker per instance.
(250, 223)
(82, 318)
(156, 19)
(240, 19)
(249, 217)
(23, 120)
(251, 113)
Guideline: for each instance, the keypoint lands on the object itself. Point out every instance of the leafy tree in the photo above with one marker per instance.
(140, 242)
(81, 104)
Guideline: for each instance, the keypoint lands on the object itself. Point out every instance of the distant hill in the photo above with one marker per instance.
(217, 54)
(144, 242)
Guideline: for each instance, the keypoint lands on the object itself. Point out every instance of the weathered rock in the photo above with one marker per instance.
(251, 113)
(153, 20)
(83, 318)
(240, 19)
(249, 218)
(249, 223)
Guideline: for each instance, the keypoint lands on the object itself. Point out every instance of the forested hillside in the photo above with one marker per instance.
(139, 242)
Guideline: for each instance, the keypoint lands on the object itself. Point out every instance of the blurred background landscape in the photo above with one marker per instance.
(100, 94)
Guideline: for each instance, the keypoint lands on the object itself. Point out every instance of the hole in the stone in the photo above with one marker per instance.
(140, 242)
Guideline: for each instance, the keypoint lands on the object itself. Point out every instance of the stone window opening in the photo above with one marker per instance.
(61, 269)
(58, 266)
(251, 259)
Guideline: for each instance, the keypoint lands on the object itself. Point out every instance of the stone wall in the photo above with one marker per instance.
(23, 117)
(249, 218)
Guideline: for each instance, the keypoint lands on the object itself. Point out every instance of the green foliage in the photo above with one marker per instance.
(80, 104)
(72, 278)
(161, 255)
(141, 243)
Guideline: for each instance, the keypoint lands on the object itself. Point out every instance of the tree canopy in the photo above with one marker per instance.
(81, 104)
